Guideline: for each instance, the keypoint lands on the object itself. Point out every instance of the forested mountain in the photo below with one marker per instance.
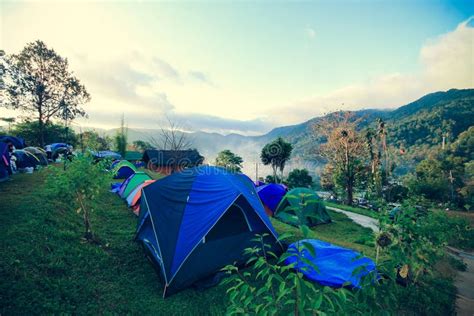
(417, 128)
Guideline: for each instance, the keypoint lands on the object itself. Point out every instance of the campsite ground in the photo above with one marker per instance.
(46, 267)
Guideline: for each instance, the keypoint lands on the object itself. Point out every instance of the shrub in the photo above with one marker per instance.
(79, 183)
(408, 283)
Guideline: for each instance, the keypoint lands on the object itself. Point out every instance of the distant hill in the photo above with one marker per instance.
(416, 126)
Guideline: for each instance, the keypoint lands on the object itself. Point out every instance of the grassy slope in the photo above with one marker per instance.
(342, 231)
(46, 268)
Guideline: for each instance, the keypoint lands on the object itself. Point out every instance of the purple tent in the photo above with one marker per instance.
(271, 195)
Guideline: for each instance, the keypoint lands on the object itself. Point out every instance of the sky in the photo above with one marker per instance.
(247, 66)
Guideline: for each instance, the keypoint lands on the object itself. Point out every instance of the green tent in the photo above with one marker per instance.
(132, 182)
(133, 156)
(122, 163)
(302, 206)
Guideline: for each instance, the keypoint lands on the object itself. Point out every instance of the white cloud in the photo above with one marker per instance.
(446, 62)
(310, 32)
(128, 70)
(449, 59)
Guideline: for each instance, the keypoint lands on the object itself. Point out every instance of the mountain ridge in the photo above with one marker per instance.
(412, 124)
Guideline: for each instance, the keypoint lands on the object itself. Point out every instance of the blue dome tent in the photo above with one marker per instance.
(271, 195)
(18, 142)
(195, 222)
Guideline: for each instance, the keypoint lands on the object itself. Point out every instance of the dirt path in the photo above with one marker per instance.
(362, 220)
(464, 283)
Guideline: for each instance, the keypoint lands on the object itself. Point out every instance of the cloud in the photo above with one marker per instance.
(211, 123)
(154, 118)
(200, 76)
(446, 62)
(310, 32)
(165, 69)
(449, 59)
(122, 82)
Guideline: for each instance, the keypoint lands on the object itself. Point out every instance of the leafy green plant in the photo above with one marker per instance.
(79, 183)
(408, 249)
(270, 287)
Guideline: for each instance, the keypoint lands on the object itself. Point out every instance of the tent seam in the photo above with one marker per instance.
(156, 237)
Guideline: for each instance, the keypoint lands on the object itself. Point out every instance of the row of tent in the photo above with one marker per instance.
(194, 222)
(297, 207)
(25, 157)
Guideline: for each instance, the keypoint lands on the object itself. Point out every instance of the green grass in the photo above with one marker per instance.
(354, 209)
(46, 267)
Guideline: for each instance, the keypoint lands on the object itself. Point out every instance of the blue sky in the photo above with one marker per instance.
(249, 66)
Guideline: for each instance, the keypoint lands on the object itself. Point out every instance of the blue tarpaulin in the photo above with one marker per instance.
(107, 154)
(336, 266)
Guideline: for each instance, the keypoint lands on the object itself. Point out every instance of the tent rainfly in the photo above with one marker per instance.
(124, 169)
(132, 182)
(271, 195)
(302, 206)
(195, 222)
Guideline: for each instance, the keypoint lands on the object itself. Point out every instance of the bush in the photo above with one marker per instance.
(273, 288)
(79, 183)
(408, 249)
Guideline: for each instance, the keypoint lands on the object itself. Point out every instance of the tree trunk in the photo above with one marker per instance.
(274, 173)
(350, 193)
(40, 124)
(85, 213)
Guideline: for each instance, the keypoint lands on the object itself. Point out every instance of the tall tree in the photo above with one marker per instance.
(375, 155)
(345, 149)
(38, 82)
(54, 133)
(277, 153)
(299, 178)
(92, 140)
(229, 160)
(121, 138)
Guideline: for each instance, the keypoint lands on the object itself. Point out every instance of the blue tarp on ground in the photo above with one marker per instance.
(271, 195)
(337, 266)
